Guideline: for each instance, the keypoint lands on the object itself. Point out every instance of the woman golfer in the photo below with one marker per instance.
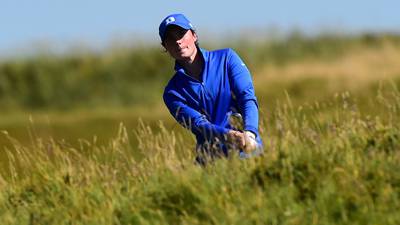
(209, 91)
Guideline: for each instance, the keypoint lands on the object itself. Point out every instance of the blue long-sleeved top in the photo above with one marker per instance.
(204, 105)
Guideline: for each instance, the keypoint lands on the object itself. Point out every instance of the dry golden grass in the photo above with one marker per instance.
(353, 70)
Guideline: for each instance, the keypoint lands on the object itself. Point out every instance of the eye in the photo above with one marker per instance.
(173, 35)
(182, 33)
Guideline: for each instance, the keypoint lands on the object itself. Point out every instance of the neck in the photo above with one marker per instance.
(194, 65)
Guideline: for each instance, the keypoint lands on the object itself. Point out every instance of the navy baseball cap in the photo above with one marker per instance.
(174, 19)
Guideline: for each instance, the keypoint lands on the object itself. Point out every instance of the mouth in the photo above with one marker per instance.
(181, 50)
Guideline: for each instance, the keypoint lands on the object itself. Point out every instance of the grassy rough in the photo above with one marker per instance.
(339, 167)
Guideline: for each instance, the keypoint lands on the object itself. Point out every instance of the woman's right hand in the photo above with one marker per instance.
(243, 140)
(236, 138)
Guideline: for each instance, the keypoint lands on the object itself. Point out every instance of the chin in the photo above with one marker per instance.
(183, 56)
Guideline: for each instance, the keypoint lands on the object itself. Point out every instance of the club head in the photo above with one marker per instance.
(236, 121)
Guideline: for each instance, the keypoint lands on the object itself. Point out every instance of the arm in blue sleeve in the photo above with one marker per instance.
(190, 118)
(243, 91)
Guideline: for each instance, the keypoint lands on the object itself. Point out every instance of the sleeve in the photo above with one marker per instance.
(190, 118)
(243, 91)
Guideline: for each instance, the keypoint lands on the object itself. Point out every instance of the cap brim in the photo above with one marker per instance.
(182, 25)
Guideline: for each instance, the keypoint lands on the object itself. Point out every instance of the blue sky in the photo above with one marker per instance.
(25, 24)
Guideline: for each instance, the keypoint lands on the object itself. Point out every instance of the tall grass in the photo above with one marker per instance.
(318, 168)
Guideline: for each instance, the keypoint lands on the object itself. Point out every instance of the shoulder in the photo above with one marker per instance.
(227, 54)
(171, 85)
(175, 89)
(222, 52)
(169, 89)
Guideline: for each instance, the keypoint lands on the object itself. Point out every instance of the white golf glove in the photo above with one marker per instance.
(251, 143)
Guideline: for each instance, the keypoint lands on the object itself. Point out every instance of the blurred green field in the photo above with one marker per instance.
(81, 95)
(86, 138)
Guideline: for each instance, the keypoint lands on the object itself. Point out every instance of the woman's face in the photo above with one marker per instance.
(180, 43)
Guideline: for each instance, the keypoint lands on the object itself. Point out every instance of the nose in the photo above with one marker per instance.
(179, 42)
